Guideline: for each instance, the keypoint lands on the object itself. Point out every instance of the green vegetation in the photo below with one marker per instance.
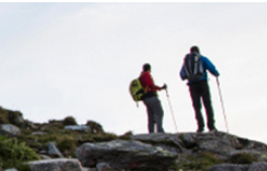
(242, 158)
(200, 162)
(95, 127)
(69, 121)
(16, 152)
(13, 153)
(203, 161)
(8, 116)
(66, 140)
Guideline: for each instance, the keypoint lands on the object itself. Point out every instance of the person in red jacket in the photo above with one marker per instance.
(151, 100)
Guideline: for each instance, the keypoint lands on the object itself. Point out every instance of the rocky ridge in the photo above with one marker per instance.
(66, 146)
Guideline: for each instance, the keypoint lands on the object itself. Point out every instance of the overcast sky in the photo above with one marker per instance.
(77, 59)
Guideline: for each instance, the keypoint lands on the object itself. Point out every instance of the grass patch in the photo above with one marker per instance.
(242, 158)
(199, 162)
(66, 140)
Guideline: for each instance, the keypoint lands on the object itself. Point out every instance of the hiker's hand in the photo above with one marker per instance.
(164, 86)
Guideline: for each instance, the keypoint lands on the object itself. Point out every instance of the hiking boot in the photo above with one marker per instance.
(200, 130)
(214, 130)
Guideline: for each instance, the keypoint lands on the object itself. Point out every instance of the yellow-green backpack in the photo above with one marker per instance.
(136, 90)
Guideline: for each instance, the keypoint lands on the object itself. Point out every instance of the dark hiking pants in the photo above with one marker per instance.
(155, 114)
(200, 91)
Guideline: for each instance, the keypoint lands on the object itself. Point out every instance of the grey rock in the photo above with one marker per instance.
(161, 139)
(222, 144)
(261, 166)
(82, 128)
(87, 169)
(45, 157)
(53, 150)
(13, 169)
(9, 130)
(121, 154)
(102, 166)
(189, 140)
(229, 167)
(56, 165)
(216, 143)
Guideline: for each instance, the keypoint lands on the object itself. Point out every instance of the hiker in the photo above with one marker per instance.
(151, 100)
(199, 89)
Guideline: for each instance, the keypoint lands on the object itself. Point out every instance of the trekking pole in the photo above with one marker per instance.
(220, 93)
(173, 118)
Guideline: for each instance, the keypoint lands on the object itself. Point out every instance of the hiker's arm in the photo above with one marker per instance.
(182, 73)
(209, 65)
(151, 84)
(155, 87)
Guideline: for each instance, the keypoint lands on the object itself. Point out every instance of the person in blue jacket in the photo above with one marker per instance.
(199, 91)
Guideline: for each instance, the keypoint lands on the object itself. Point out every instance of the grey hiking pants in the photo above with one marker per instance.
(155, 114)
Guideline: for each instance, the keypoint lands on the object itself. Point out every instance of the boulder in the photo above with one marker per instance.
(56, 165)
(122, 154)
(82, 128)
(103, 166)
(13, 169)
(53, 150)
(162, 139)
(9, 130)
(223, 145)
(217, 143)
(230, 167)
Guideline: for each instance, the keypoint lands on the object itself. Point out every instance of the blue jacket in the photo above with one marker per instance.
(207, 65)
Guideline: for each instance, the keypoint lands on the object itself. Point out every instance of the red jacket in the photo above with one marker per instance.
(148, 83)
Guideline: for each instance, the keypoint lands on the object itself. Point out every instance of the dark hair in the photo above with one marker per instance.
(146, 67)
(194, 49)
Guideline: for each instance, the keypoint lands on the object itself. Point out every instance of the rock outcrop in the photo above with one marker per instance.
(56, 165)
(175, 150)
(89, 148)
(125, 154)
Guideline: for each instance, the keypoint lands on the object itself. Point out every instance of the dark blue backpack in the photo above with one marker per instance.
(193, 69)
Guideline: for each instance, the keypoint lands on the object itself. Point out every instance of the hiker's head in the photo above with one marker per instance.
(146, 67)
(194, 49)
